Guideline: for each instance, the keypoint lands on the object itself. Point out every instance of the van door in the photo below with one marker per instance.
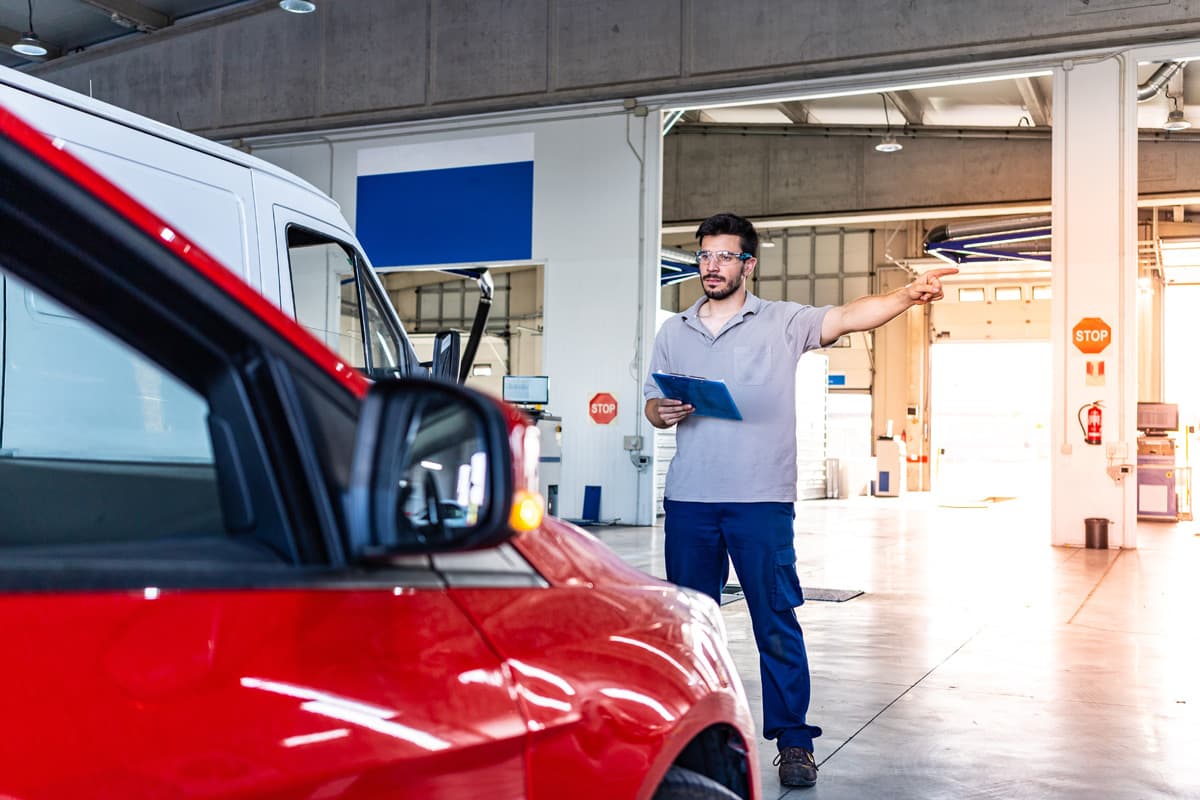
(327, 284)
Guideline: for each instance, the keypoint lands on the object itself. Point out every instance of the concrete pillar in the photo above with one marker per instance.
(1094, 276)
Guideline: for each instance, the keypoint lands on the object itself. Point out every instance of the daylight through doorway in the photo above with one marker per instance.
(990, 413)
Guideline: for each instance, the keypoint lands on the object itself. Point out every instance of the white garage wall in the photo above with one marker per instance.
(596, 219)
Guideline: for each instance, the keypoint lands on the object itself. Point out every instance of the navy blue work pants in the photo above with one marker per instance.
(701, 539)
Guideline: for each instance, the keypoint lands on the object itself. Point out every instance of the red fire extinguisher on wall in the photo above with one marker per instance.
(1093, 431)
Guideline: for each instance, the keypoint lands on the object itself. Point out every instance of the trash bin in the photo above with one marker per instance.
(1095, 533)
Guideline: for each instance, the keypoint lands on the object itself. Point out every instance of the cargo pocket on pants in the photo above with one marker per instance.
(785, 590)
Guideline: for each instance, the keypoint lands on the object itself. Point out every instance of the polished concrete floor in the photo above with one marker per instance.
(981, 662)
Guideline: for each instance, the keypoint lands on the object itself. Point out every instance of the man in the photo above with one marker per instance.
(731, 489)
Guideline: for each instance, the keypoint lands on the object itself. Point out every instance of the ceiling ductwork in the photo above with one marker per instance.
(1010, 239)
(1155, 83)
(676, 266)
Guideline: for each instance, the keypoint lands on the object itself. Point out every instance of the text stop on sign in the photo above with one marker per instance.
(602, 408)
(1091, 335)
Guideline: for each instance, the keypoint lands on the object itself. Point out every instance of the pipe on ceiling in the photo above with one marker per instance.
(954, 230)
(907, 132)
(1155, 83)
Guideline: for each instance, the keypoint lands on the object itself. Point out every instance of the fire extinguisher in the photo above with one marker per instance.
(1093, 430)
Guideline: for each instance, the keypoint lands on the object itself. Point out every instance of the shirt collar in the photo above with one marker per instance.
(752, 306)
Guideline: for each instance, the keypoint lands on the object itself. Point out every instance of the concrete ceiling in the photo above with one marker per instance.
(987, 108)
(68, 26)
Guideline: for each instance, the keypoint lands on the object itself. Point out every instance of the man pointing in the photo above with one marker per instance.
(731, 488)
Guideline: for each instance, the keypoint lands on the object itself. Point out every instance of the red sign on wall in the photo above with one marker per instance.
(1091, 335)
(602, 408)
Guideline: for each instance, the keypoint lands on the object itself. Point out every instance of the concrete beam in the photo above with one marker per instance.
(796, 112)
(1034, 101)
(9, 37)
(910, 107)
(782, 176)
(131, 14)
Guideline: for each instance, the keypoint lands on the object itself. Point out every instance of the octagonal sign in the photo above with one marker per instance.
(602, 408)
(1091, 335)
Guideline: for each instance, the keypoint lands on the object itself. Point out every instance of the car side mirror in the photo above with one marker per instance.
(432, 471)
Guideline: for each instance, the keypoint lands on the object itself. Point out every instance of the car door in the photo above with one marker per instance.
(180, 613)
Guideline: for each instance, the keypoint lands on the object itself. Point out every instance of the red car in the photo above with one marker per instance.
(247, 572)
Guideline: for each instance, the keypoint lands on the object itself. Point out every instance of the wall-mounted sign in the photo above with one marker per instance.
(483, 185)
(602, 408)
(1091, 335)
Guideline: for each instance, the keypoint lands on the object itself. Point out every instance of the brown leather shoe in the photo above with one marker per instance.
(797, 767)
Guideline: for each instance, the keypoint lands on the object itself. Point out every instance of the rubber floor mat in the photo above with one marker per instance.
(831, 595)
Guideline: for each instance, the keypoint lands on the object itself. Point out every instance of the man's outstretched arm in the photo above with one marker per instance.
(874, 310)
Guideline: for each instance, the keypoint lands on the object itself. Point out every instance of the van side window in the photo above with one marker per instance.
(336, 303)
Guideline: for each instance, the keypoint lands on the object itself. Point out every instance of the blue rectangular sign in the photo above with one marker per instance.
(458, 215)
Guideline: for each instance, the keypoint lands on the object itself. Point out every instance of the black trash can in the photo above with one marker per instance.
(1095, 533)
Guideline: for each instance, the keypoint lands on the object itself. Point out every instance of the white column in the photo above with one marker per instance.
(1094, 275)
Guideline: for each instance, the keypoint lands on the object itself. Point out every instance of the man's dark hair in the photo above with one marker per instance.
(741, 227)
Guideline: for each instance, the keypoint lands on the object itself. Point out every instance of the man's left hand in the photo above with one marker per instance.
(928, 285)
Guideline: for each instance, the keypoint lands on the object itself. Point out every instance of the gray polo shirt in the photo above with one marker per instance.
(755, 353)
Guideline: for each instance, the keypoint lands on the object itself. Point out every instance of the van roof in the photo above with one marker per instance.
(89, 105)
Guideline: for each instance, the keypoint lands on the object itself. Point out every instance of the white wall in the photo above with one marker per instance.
(595, 228)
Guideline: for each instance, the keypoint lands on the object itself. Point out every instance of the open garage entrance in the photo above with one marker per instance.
(990, 443)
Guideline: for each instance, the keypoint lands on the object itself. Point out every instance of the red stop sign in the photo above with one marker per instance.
(1091, 335)
(602, 408)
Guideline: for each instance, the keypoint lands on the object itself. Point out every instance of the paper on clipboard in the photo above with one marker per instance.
(711, 398)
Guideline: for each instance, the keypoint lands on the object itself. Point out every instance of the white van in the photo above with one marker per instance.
(282, 235)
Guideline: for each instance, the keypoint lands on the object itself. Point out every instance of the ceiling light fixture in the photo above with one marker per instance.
(888, 144)
(29, 44)
(1175, 120)
(298, 6)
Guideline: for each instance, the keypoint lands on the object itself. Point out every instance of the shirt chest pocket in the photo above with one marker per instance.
(752, 365)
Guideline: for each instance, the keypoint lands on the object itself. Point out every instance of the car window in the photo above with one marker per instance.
(73, 392)
(100, 444)
(335, 302)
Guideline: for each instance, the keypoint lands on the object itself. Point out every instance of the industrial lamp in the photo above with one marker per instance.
(1175, 120)
(888, 144)
(29, 44)
(298, 6)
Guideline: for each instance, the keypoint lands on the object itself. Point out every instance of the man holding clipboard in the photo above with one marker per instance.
(731, 488)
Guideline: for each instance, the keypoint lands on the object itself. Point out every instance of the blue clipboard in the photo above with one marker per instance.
(711, 398)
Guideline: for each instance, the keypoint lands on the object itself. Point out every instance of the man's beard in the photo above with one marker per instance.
(730, 288)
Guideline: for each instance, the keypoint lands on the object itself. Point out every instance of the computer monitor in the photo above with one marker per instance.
(1157, 418)
(532, 390)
